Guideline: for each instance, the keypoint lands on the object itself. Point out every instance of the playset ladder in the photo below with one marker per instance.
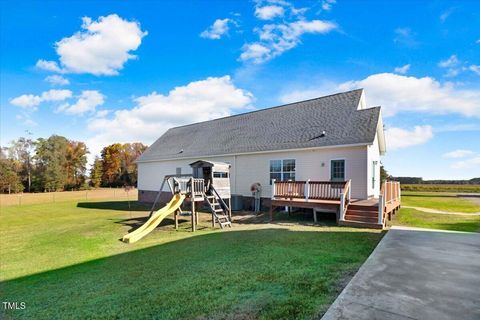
(219, 209)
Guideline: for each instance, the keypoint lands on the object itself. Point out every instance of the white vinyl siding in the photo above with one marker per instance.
(250, 168)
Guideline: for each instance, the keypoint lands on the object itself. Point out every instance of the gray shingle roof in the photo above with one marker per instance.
(291, 126)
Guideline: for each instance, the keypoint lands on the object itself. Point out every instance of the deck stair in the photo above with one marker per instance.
(220, 211)
(362, 216)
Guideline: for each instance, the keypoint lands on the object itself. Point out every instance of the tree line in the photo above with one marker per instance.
(57, 164)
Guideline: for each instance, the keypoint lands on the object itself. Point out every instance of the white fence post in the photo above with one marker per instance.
(307, 190)
(342, 207)
(381, 206)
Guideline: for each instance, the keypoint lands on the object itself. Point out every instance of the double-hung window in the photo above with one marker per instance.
(337, 170)
(282, 170)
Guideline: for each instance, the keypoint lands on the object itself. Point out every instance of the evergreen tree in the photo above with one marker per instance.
(96, 173)
(51, 156)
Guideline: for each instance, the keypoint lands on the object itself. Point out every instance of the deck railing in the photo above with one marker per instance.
(314, 190)
(389, 194)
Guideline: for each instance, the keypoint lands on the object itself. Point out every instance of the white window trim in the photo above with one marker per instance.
(281, 170)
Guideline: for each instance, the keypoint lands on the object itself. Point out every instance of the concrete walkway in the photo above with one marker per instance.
(415, 274)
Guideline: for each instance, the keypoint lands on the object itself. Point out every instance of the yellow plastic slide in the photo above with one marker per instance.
(155, 219)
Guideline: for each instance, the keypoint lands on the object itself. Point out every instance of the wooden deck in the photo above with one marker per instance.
(335, 196)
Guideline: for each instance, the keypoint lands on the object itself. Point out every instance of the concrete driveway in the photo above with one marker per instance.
(415, 274)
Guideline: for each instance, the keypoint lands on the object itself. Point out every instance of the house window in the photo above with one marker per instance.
(178, 171)
(282, 170)
(220, 174)
(337, 170)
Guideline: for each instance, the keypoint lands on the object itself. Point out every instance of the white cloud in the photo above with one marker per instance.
(459, 153)
(48, 66)
(153, 114)
(278, 38)
(467, 164)
(217, 29)
(87, 102)
(56, 95)
(26, 101)
(403, 69)
(269, 12)
(57, 80)
(102, 47)
(475, 68)
(327, 4)
(398, 93)
(398, 138)
(450, 62)
(255, 52)
(30, 100)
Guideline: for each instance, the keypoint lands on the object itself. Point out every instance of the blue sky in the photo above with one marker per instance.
(127, 71)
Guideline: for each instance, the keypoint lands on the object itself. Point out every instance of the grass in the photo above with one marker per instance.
(415, 218)
(441, 201)
(466, 188)
(19, 199)
(65, 260)
(447, 202)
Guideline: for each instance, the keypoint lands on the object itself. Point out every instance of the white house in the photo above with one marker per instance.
(331, 138)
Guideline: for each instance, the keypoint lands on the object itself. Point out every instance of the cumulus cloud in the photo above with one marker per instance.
(269, 12)
(32, 101)
(467, 164)
(102, 47)
(154, 113)
(398, 138)
(219, 28)
(278, 38)
(26, 101)
(459, 153)
(57, 80)
(48, 66)
(86, 102)
(398, 93)
(403, 69)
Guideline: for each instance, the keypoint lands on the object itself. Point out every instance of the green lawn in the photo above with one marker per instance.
(415, 218)
(438, 200)
(441, 201)
(65, 260)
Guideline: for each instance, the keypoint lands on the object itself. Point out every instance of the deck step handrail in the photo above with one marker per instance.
(315, 190)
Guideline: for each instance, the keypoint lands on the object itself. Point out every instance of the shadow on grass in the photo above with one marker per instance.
(268, 273)
(115, 205)
(281, 217)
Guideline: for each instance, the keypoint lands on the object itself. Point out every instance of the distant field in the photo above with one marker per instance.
(20, 199)
(443, 201)
(466, 188)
